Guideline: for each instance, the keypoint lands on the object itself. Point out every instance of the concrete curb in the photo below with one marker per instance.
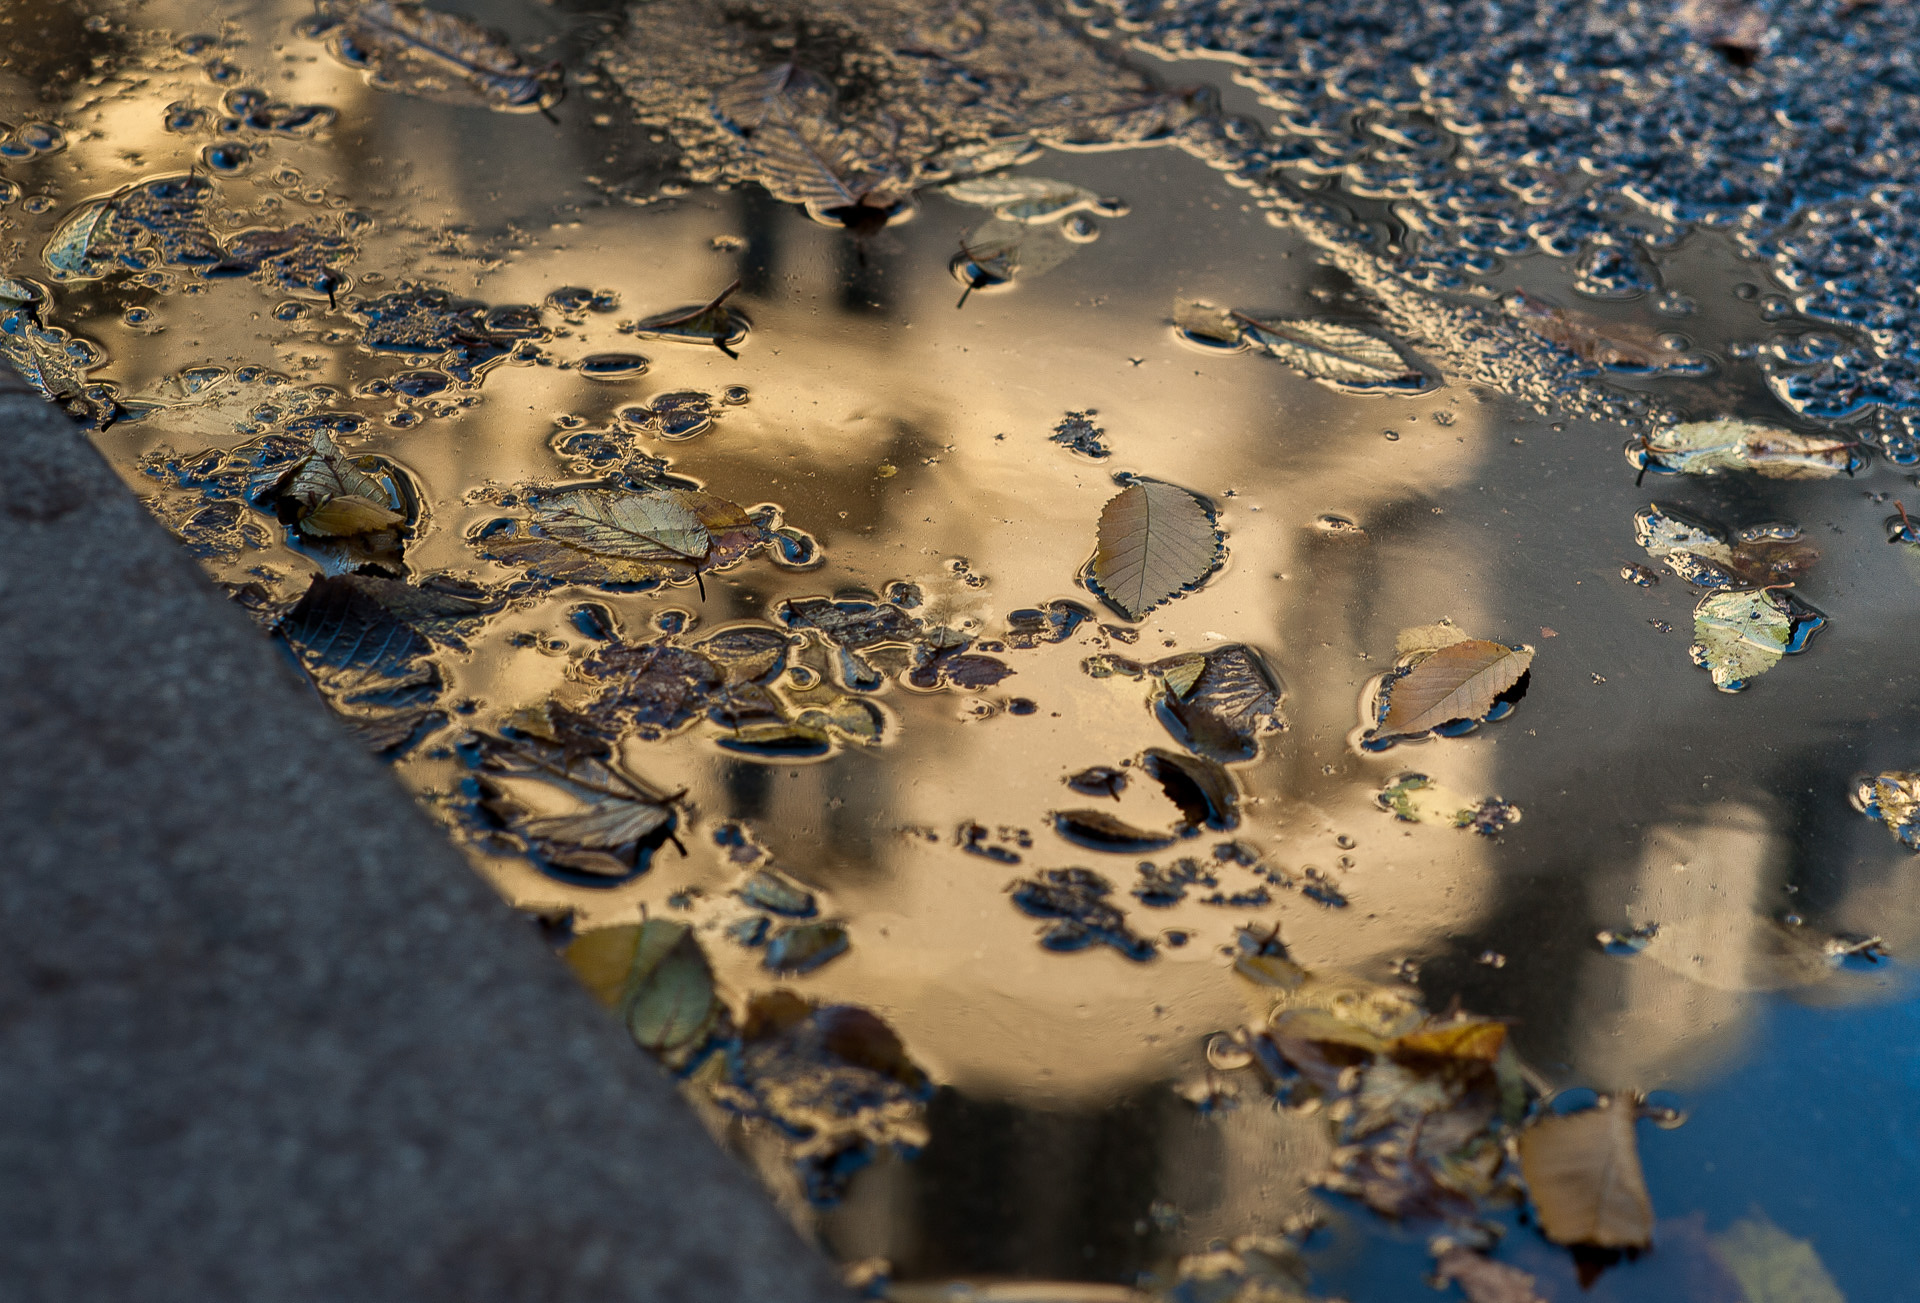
(263, 1035)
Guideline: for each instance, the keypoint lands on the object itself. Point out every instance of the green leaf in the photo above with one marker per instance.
(1773, 1266)
(1583, 1171)
(1155, 541)
(1738, 635)
(1343, 356)
(669, 1002)
(655, 526)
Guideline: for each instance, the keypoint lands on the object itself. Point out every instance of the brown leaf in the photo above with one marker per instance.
(1478, 1039)
(1457, 682)
(1583, 1170)
(1483, 1280)
(1612, 345)
(1155, 540)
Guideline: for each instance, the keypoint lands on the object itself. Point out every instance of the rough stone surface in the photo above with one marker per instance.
(263, 1035)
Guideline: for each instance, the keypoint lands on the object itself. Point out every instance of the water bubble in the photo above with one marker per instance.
(9, 192)
(227, 156)
(39, 204)
(220, 71)
(1391, 436)
(182, 118)
(613, 366)
(1746, 290)
(195, 44)
(292, 310)
(1338, 527)
(42, 137)
(138, 317)
(1080, 228)
(1629, 942)
(735, 395)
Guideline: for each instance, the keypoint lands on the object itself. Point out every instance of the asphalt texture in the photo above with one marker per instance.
(263, 1034)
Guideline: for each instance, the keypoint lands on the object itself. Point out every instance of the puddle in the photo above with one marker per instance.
(1000, 580)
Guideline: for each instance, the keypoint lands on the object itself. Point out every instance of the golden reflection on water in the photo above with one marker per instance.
(910, 439)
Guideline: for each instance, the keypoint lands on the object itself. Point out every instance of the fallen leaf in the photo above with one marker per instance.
(1459, 681)
(1739, 635)
(70, 253)
(1000, 251)
(1032, 199)
(1343, 356)
(1099, 831)
(1262, 958)
(612, 821)
(1773, 1266)
(711, 322)
(1201, 788)
(44, 356)
(1156, 540)
(656, 526)
(1218, 704)
(1478, 1039)
(334, 496)
(1893, 798)
(1209, 324)
(798, 148)
(419, 51)
(1583, 1171)
(1608, 345)
(1707, 556)
(1483, 1280)
(668, 1000)
(1711, 447)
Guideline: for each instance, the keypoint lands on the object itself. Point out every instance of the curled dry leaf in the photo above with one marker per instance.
(1460, 681)
(1738, 635)
(1218, 704)
(420, 51)
(798, 147)
(1892, 797)
(1583, 1171)
(44, 356)
(711, 322)
(1155, 541)
(333, 495)
(617, 537)
(1713, 447)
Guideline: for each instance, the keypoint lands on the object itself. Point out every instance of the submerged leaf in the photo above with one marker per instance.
(1711, 447)
(419, 51)
(1612, 346)
(44, 356)
(615, 537)
(614, 818)
(711, 322)
(1459, 681)
(791, 134)
(1032, 199)
(1738, 635)
(71, 253)
(1892, 797)
(668, 1000)
(1002, 250)
(1773, 1266)
(1343, 356)
(1483, 1280)
(803, 947)
(1156, 540)
(1583, 1171)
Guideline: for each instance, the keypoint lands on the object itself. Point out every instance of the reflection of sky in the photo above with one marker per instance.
(1623, 759)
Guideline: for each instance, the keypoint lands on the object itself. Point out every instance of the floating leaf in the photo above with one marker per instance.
(335, 496)
(1219, 703)
(1711, 447)
(801, 152)
(1263, 958)
(1483, 1280)
(1608, 345)
(615, 819)
(45, 357)
(420, 51)
(1209, 325)
(1202, 789)
(1156, 540)
(1583, 1171)
(1343, 356)
(1459, 681)
(71, 252)
(657, 526)
(1705, 556)
(711, 322)
(1738, 635)
(1031, 199)
(1773, 1266)
(668, 1001)
(1001, 251)
(1893, 798)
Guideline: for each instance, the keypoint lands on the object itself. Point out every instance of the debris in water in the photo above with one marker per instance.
(1446, 689)
(803, 947)
(1740, 635)
(1077, 433)
(1220, 703)
(1076, 900)
(1714, 447)
(1415, 798)
(1706, 556)
(711, 322)
(1892, 797)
